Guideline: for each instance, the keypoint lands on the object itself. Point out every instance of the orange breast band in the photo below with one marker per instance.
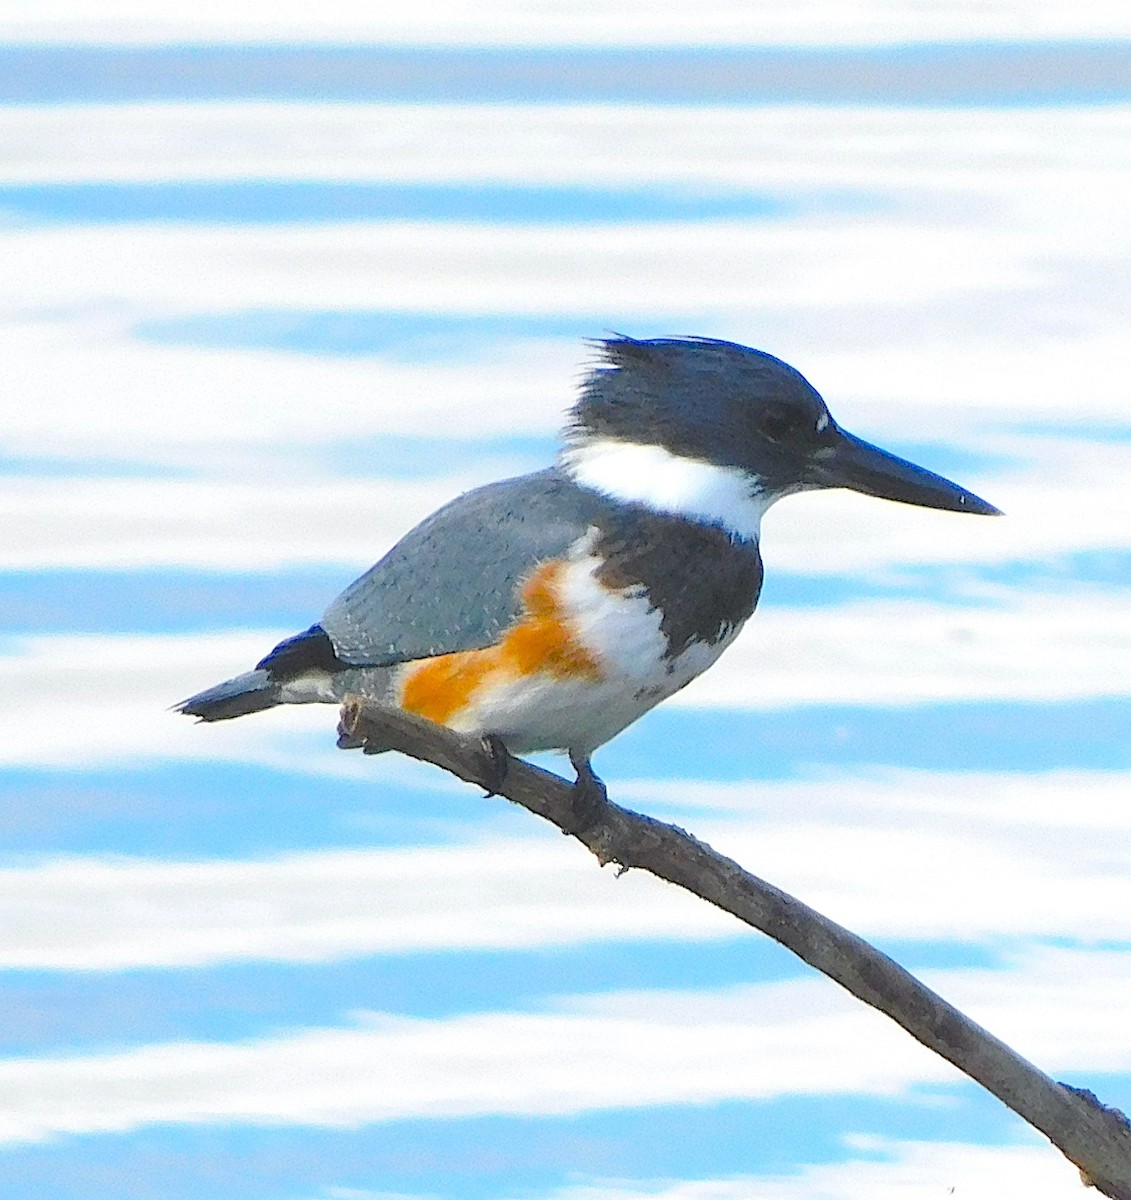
(541, 640)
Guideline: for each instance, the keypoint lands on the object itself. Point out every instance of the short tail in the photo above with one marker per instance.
(247, 693)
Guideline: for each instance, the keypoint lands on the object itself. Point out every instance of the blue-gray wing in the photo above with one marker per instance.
(452, 583)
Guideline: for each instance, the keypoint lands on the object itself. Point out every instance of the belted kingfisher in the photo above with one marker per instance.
(550, 611)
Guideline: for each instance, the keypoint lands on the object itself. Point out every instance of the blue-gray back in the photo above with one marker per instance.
(451, 583)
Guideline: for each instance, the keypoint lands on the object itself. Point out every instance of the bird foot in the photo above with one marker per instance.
(347, 739)
(496, 761)
(588, 798)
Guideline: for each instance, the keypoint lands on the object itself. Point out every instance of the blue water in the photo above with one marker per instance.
(396, 334)
(971, 735)
(262, 202)
(494, 1158)
(55, 1012)
(955, 75)
(499, 1158)
(231, 810)
(197, 809)
(60, 1012)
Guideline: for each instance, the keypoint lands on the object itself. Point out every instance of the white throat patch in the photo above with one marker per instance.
(668, 483)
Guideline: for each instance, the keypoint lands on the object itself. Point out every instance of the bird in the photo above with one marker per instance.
(552, 610)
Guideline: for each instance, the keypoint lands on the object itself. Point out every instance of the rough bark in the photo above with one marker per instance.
(1093, 1136)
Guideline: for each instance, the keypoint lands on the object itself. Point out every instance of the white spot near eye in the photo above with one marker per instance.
(822, 422)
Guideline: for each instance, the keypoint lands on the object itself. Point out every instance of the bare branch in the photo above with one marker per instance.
(1094, 1137)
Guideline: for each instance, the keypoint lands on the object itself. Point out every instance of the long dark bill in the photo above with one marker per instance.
(856, 464)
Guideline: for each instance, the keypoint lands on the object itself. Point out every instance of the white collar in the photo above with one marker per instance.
(669, 483)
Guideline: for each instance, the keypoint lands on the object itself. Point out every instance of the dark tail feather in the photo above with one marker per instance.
(248, 693)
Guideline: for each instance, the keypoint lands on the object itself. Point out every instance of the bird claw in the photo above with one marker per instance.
(588, 797)
(347, 739)
(496, 763)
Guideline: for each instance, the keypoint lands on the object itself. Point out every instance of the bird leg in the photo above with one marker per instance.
(496, 761)
(588, 796)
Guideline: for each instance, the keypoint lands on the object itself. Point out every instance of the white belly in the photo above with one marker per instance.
(544, 713)
(622, 632)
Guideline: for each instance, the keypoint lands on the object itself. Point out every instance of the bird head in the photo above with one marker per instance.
(661, 419)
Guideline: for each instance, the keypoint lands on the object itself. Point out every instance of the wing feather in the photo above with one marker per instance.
(453, 582)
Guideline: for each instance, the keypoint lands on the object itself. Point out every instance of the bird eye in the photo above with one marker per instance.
(784, 424)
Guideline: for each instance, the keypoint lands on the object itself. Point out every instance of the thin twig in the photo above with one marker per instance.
(1094, 1137)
